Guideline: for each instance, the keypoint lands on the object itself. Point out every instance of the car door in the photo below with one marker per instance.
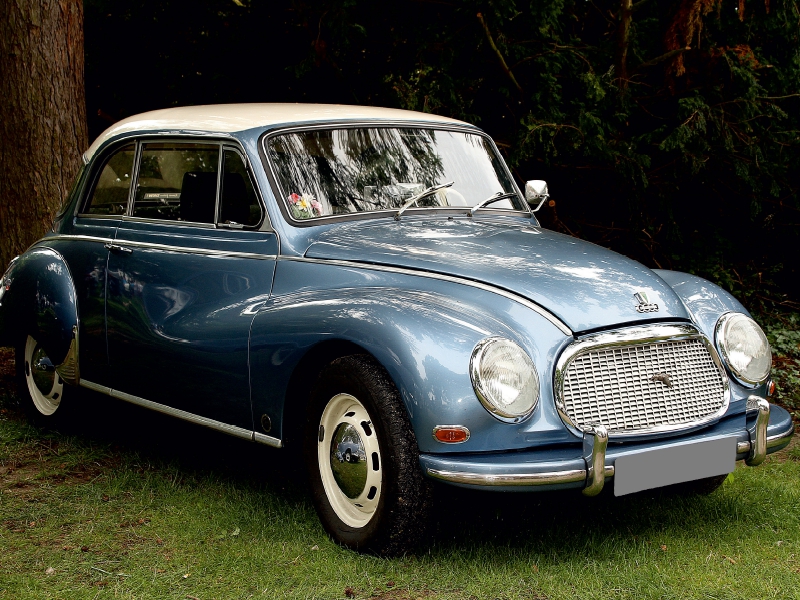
(190, 258)
(105, 201)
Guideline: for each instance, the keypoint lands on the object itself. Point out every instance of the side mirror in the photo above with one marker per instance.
(536, 191)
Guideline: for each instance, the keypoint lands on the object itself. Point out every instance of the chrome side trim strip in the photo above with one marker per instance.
(186, 416)
(202, 251)
(267, 440)
(450, 278)
(81, 238)
(167, 247)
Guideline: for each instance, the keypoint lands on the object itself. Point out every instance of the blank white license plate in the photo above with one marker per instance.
(666, 466)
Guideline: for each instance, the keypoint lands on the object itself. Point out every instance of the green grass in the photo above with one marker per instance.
(124, 503)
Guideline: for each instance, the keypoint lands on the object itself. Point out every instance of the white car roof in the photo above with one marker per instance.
(229, 118)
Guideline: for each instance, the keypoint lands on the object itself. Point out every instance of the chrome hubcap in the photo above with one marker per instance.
(349, 460)
(44, 384)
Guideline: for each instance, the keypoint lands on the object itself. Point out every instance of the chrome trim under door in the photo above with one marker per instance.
(186, 416)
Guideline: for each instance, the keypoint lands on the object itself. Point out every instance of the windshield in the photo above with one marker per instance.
(343, 171)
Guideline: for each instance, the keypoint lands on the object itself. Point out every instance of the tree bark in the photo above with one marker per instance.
(42, 115)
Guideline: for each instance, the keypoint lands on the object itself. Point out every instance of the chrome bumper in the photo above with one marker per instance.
(595, 471)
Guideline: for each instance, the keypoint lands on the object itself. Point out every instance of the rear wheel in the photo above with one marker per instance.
(40, 387)
(363, 459)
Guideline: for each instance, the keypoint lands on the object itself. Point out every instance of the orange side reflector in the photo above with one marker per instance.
(771, 388)
(451, 435)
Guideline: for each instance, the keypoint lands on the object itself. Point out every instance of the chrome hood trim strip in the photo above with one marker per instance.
(449, 278)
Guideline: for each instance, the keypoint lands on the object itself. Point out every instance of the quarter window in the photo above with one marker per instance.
(110, 195)
(239, 203)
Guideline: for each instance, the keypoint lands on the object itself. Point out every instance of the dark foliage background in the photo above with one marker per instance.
(667, 130)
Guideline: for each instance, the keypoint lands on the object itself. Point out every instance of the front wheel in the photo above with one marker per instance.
(377, 498)
(40, 386)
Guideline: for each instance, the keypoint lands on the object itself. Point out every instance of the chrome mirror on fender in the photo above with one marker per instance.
(536, 191)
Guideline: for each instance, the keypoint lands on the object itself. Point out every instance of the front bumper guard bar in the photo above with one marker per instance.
(596, 472)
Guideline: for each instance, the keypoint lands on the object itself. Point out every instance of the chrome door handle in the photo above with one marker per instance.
(117, 248)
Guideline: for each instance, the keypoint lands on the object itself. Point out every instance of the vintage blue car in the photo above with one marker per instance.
(315, 278)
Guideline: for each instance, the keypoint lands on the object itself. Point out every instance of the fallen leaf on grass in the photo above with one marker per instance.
(315, 547)
(50, 571)
(84, 548)
(729, 559)
(186, 576)
(348, 591)
(535, 568)
(664, 547)
(235, 532)
(390, 584)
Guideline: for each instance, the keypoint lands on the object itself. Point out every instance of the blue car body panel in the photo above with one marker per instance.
(586, 286)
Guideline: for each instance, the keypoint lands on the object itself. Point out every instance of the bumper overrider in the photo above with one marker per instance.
(767, 428)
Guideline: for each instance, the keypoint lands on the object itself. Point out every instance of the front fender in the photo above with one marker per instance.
(39, 300)
(705, 301)
(424, 339)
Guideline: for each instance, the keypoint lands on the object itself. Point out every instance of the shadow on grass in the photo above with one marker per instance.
(554, 523)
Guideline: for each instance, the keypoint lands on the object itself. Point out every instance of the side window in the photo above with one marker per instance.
(177, 182)
(110, 195)
(239, 203)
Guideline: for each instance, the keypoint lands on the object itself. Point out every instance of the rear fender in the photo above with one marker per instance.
(39, 299)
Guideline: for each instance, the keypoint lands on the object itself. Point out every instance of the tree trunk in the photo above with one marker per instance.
(42, 115)
(623, 35)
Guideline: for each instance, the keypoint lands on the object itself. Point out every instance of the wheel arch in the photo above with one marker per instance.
(39, 299)
(301, 381)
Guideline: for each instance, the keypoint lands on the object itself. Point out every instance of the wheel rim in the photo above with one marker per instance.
(351, 475)
(44, 384)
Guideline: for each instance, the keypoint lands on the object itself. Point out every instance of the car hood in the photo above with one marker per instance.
(584, 285)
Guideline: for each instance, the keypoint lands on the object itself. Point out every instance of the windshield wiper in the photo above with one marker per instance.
(419, 196)
(490, 200)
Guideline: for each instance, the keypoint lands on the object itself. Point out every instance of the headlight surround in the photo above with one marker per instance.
(505, 379)
(744, 348)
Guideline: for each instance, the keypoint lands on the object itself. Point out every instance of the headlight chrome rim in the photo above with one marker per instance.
(478, 354)
(720, 333)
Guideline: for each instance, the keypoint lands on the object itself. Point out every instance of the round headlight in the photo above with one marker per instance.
(504, 378)
(744, 347)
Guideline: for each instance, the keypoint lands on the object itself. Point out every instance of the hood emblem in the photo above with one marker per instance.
(644, 305)
(662, 378)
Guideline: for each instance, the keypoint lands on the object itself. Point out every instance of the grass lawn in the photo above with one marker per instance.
(125, 503)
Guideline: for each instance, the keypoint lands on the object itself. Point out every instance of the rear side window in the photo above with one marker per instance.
(177, 182)
(238, 203)
(110, 195)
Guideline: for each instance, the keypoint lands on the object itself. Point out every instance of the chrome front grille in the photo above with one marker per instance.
(641, 380)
